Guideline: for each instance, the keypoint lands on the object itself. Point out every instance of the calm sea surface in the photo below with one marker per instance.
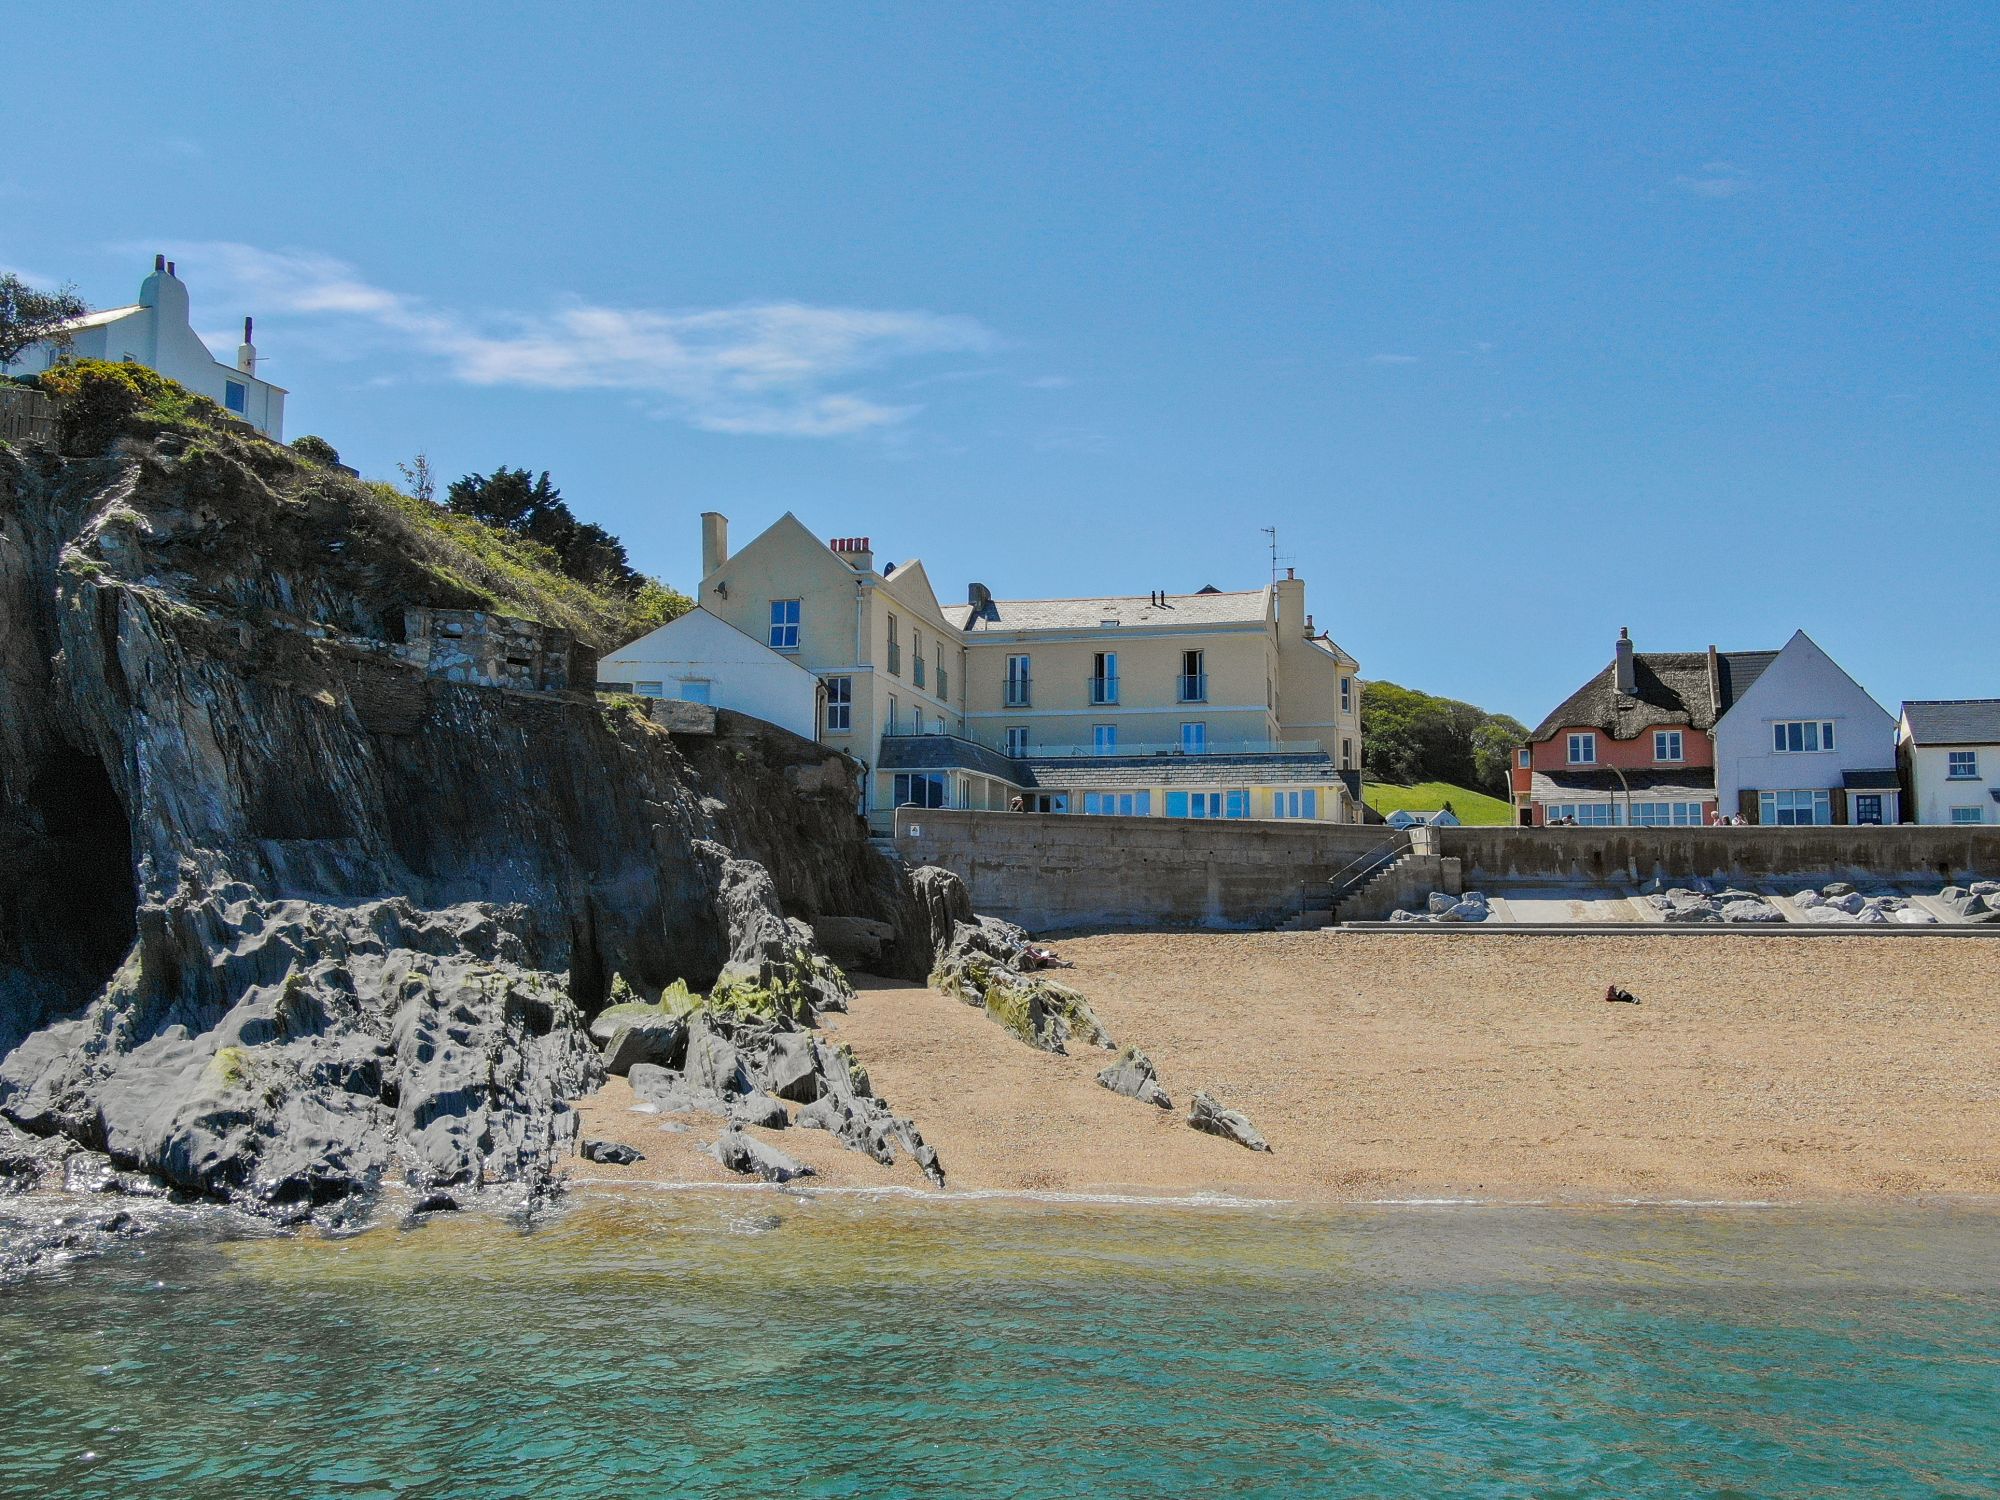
(771, 1345)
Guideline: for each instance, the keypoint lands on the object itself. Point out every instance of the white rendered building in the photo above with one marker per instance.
(702, 658)
(155, 331)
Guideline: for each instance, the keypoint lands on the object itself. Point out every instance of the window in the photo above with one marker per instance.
(1303, 803)
(1795, 808)
(784, 624)
(1017, 739)
(895, 650)
(235, 396)
(1968, 815)
(1194, 739)
(1962, 765)
(1583, 749)
(1193, 685)
(1586, 814)
(695, 690)
(1667, 744)
(921, 789)
(943, 681)
(648, 689)
(1104, 677)
(1017, 682)
(1524, 757)
(1667, 815)
(1237, 803)
(1868, 808)
(917, 657)
(1104, 739)
(1801, 736)
(1347, 695)
(1347, 755)
(1046, 802)
(839, 705)
(889, 722)
(1195, 804)
(917, 719)
(1121, 804)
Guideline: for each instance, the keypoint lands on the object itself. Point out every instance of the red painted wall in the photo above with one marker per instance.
(1552, 755)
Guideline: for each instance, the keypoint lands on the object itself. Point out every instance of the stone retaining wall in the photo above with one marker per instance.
(1591, 856)
(1053, 870)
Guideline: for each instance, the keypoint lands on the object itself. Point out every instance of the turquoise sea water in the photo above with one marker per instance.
(684, 1344)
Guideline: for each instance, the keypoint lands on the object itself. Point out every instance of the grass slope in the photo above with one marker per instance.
(1423, 796)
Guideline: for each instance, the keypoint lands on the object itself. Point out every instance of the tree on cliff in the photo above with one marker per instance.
(28, 316)
(512, 500)
(1408, 736)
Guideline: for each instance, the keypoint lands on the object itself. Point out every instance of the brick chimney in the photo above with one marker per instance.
(1626, 673)
(855, 551)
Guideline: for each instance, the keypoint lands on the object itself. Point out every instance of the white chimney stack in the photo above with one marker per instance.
(246, 352)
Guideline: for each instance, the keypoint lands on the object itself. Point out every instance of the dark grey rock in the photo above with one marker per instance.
(658, 1040)
(1835, 888)
(1209, 1116)
(746, 1154)
(611, 1153)
(435, 1203)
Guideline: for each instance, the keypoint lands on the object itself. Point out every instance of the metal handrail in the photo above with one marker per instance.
(1103, 690)
(1351, 876)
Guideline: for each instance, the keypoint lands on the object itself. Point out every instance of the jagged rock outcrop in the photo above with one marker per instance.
(991, 964)
(283, 916)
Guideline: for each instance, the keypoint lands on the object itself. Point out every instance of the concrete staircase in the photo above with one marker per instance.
(1383, 875)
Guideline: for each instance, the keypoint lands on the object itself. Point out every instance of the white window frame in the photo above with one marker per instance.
(1020, 681)
(1586, 814)
(650, 689)
(1772, 807)
(889, 722)
(839, 705)
(1524, 757)
(784, 625)
(916, 657)
(1813, 736)
(1583, 739)
(1961, 765)
(1665, 738)
(1661, 813)
(1118, 804)
(1017, 740)
(1295, 802)
(1964, 817)
(1347, 695)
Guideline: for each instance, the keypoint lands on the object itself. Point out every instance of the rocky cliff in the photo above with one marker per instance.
(283, 914)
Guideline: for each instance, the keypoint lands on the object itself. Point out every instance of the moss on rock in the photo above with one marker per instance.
(1039, 1011)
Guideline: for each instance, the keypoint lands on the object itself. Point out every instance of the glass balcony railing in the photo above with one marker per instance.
(1192, 687)
(1019, 694)
(1103, 690)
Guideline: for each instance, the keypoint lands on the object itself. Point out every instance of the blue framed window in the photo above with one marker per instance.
(784, 624)
(1194, 739)
(1104, 739)
(235, 396)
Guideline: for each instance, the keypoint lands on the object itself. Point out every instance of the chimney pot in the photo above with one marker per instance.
(714, 541)
(170, 268)
(1625, 673)
(159, 263)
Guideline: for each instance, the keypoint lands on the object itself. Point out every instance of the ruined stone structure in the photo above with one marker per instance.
(488, 650)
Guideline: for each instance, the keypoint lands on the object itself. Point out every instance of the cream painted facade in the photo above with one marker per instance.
(1243, 707)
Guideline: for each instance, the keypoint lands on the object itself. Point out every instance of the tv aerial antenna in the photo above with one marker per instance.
(1271, 532)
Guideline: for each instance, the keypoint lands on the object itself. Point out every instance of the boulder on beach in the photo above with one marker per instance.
(746, 1154)
(1134, 1076)
(610, 1153)
(1211, 1117)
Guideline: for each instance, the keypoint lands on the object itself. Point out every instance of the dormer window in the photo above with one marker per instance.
(1583, 749)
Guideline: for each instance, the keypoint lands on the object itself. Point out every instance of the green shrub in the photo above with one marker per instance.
(95, 397)
(316, 450)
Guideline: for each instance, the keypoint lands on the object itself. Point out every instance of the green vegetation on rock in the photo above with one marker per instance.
(1039, 1011)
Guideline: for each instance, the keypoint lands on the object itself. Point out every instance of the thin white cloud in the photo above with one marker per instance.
(1393, 359)
(1716, 179)
(771, 369)
(1049, 383)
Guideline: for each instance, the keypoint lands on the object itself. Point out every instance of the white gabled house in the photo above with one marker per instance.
(702, 658)
(1949, 753)
(1805, 744)
(156, 332)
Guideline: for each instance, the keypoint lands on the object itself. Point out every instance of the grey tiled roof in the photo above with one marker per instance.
(946, 752)
(1248, 607)
(1954, 721)
(1684, 783)
(1869, 781)
(1673, 688)
(1091, 772)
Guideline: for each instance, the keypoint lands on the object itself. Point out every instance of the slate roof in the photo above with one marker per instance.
(1246, 607)
(1954, 721)
(1673, 688)
(947, 752)
(1870, 781)
(1682, 784)
(1094, 772)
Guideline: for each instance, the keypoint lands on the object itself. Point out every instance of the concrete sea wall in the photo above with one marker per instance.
(1055, 870)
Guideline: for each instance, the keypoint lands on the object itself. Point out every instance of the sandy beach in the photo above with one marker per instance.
(1457, 1066)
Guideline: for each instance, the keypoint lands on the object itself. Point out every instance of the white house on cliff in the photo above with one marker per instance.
(155, 331)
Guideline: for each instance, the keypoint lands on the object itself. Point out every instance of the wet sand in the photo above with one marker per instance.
(1461, 1066)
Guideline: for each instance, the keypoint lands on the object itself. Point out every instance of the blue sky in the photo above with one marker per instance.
(1519, 323)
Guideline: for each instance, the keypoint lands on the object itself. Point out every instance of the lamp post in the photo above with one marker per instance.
(1628, 794)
